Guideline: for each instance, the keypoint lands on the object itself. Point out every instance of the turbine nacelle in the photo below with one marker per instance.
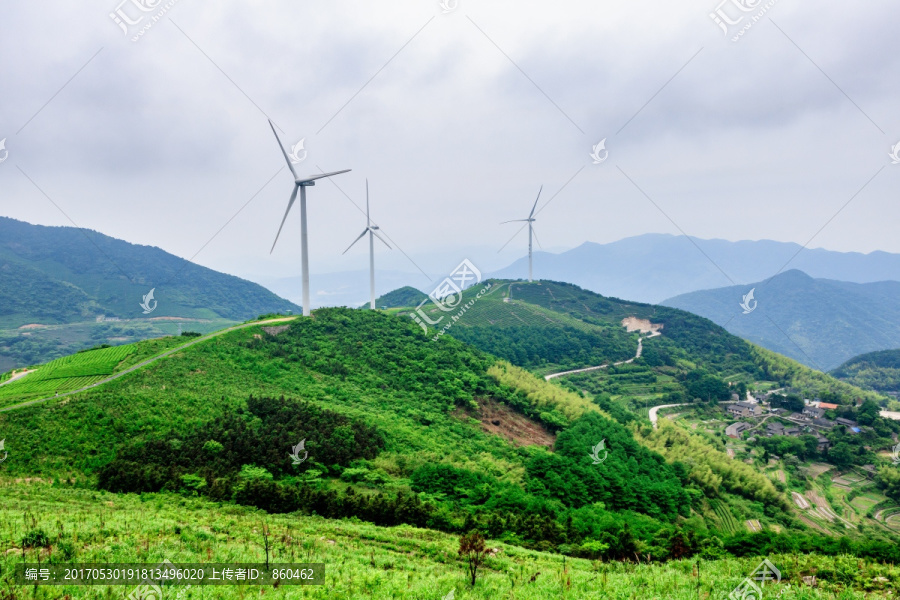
(311, 179)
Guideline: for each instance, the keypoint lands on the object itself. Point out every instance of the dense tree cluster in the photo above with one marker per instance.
(213, 455)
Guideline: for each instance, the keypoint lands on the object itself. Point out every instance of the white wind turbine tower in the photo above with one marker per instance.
(531, 233)
(372, 230)
(300, 184)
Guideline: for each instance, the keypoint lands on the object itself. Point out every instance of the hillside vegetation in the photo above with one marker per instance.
(358, 414)
(393, 426)
(879, 371)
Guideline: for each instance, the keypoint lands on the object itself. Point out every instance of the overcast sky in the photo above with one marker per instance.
(456, 119)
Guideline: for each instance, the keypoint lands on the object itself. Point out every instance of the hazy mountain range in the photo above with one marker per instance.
(654, 267)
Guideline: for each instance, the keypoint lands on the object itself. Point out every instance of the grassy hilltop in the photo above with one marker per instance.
(429, 439)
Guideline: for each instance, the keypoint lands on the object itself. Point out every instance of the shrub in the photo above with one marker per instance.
(36, 538)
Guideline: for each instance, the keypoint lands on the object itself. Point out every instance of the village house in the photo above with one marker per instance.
(822, 444)
(827, 406)
(813, 412)
(823, 423)
(744, 409)
(774, 429)
(735, 429)
(845, 422)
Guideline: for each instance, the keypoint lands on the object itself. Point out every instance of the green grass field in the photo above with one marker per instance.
(363, 561)
(82, 369)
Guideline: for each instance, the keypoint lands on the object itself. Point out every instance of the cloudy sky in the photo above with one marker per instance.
(456, 115)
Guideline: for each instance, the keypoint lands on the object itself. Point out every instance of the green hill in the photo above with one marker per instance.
(399, 428)
(550, 327)
(63, 289)
(405, 296)
(879, 371)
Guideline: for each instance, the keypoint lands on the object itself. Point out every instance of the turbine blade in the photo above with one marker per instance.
(534, 233)
(381, 238)
(535, 202)
(365, 231)
(290, 204)
(368, 218)
(283, 151)
(515, 221)
(321, 175)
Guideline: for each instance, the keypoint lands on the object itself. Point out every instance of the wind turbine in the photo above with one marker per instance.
(300, 184)
(531, 233)
(372, 230)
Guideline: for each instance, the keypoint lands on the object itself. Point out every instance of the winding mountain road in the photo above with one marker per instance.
(147, 362)
(640, 349)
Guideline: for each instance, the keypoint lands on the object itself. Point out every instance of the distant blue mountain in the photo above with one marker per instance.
(819, 322)
(655, 266)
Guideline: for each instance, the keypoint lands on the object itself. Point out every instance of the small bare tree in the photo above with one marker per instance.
(472, 550)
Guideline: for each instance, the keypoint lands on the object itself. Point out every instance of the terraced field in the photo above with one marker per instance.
(729, 523)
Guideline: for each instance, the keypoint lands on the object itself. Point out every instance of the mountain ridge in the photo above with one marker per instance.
(819, 322)
(654, 267)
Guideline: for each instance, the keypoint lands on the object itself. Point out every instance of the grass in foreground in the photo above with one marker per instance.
(362, 560)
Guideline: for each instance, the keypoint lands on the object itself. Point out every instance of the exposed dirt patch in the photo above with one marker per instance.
(276, 330)
(33, 326)
(642, 325)
(500, 419)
